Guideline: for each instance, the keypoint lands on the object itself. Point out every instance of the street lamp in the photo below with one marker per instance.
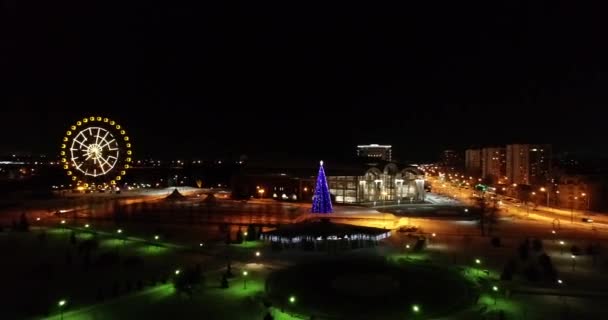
(261, 192)
(245, 279)
(416, 308)
(156, 237)
(177, 272)
(573, 262)
(61, 305)
(292, 299)
(257, 253)
(86, 225)
(542, 189)
(495, 290)
(561, 246)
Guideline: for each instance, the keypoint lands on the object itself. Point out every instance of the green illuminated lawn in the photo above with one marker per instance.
(370, 288)
(250, 244)
(46, 266)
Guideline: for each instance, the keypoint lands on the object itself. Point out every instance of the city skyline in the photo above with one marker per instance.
(221, 134)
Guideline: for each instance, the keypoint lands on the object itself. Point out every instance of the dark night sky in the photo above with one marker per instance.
(314, 80)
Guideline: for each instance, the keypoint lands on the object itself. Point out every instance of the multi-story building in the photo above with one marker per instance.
(375, 151)
(528, 163)
(493, 164)
(472, 162)
(451, 161)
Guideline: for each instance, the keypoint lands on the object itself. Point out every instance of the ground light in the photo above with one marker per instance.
(416, 308)
(61, 305)
(62, 221)
(573, 262)
(156, 237)
(200, 244)
(495, 289)
(559, 281)
(177, 272)
(245, 273)
(119, 231)
(478, 263)
(257, 253)
(86, 225)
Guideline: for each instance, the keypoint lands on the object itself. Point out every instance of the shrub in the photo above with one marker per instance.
(532, 273)
(239, 237)
(575, 250)
(537, 245)
(107, 259)
(523, 251)
(547, 266)
(420, 244)
(133, 261)
(496, 242)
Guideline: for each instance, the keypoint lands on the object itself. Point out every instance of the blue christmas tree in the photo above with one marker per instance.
(321, 201)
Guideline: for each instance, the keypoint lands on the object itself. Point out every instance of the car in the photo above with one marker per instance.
(588, 220)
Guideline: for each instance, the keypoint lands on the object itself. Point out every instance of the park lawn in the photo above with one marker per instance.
(163, 302)
(41, 275)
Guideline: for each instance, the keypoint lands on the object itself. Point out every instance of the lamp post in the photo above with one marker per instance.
(561, 247)
(572, 209)
(261, 192)
(543, 189)
(573, 262)
(495, 290)
(61, 305)
(245, 279)
(415, 308)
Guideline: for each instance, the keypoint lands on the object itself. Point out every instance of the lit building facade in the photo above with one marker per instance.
(528, 164)
(375, 151)
(451, 161)
(386, 183)
(472, 161)
(493, 164)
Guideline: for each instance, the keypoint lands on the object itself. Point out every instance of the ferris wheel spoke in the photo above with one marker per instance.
(81, 143)
(107, 143)
(97, 137)
(105, 162)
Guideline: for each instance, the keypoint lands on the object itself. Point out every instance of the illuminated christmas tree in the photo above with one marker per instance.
(321, 201)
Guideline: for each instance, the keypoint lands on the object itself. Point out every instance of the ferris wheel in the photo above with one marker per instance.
(96, 150)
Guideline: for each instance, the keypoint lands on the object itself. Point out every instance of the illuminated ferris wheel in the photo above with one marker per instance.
(96, 150)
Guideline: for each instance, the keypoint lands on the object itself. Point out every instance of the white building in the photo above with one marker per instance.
(375, 151)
